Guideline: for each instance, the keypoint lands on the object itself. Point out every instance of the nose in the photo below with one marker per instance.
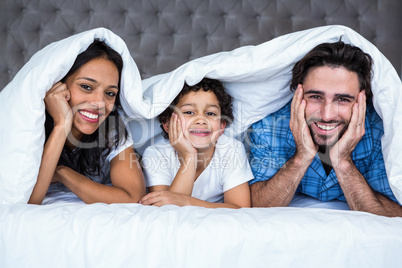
(329, 111)
(97, 100)
(200, 120)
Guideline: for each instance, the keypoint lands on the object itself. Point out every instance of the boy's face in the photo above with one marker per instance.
(200, 114)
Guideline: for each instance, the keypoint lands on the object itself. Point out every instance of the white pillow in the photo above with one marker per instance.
(258, 78)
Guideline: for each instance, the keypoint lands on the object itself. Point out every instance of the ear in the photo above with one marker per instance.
(223, 126)
(166, 126)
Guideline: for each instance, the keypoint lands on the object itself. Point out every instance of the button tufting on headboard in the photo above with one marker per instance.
(180, 30)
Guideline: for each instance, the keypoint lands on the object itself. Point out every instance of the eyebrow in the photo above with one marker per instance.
(193, 104)
(94, 81)
(322, 93)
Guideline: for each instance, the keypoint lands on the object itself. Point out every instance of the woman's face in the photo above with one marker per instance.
(93, 90)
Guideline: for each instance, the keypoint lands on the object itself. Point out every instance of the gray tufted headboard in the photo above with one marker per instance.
(163, 34)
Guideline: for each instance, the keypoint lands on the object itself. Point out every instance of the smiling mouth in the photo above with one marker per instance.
(326, 127)
(89, 115)
(200, 132)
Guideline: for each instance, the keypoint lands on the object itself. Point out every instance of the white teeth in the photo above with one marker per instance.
(195, 131)
(324, 127)
(89, 115)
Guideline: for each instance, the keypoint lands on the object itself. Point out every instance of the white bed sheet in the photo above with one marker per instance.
(124, 235)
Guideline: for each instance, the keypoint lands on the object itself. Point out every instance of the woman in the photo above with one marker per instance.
(86, 137)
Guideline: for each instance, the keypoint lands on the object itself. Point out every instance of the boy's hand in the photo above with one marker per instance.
(162, 198)
(178, 139)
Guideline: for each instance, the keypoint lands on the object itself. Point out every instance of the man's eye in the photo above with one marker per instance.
(315, 97)
(343, 100)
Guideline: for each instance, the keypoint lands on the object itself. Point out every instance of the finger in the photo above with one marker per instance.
(172, 129)
(362, 108)
(296, 100)
(355, 116)
(149, 199)
(59, 86)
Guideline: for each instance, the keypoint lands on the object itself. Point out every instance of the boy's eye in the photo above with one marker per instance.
(188, 112)
(211, 114)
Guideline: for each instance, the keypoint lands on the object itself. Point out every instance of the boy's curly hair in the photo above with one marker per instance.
(206, 84)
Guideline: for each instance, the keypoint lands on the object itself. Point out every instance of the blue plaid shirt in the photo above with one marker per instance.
(272, 144)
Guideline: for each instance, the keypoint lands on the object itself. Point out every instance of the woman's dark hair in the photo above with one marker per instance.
(206, 84)
(111, 132)
(336, 55)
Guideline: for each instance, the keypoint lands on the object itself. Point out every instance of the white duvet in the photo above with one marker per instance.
(72, 234)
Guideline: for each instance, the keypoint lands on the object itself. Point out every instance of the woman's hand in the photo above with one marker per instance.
(56, 101)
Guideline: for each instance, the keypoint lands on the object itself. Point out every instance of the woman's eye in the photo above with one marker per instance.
(111, 94)
(86, 87)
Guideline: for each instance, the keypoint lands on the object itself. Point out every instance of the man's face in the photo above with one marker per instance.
(330, 94)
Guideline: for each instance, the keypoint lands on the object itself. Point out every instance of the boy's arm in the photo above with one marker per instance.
(184, 180)
(236, 197)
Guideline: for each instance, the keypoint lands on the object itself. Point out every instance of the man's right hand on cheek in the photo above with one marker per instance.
(306, 149)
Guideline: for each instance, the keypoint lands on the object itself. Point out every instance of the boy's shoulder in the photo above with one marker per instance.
(226, 143)
(159, 147)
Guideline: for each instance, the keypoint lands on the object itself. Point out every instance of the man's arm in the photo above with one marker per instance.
(358, 193)
(280, 189)
(360, 196)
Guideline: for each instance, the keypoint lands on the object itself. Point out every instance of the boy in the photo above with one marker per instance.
(201, 166)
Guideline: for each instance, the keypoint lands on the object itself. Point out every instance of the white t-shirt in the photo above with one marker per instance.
(228, 168)
(104, 176)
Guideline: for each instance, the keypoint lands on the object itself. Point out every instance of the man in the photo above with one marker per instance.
(326, 142)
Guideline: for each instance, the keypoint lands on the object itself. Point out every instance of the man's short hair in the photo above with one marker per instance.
(336, 55)
(206, 84)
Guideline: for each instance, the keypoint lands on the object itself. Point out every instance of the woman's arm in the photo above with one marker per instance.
(51, 154)
(128, 184)
(236, 197)
(56, 101)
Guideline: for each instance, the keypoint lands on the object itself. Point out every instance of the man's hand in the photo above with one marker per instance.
(306, 149)
(342, 150)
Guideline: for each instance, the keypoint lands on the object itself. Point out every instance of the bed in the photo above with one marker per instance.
(164, 43)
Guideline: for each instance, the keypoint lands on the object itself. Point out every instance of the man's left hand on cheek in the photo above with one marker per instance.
(343, 148)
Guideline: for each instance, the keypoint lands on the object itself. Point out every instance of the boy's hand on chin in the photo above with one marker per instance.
(178, 140)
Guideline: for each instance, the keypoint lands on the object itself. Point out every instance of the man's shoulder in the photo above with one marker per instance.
(279, 118)
(375, 121)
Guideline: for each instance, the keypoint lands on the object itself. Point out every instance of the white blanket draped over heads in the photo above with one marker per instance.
(256, 76)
